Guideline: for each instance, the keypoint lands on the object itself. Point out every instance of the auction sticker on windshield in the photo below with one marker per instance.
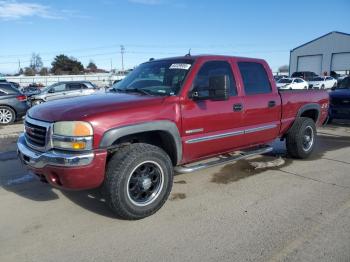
(180, 66)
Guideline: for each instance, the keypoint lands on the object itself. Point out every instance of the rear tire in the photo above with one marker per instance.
(301, 138)
(7, 115)
(138, 181)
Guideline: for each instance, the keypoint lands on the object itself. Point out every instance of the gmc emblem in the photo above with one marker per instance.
(29, 130)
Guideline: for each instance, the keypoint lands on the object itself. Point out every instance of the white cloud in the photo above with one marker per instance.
(14, 10)
(147, 2)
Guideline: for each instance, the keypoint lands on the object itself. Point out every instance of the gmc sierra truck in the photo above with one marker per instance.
(167, 115)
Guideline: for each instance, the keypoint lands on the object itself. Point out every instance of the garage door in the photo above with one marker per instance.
(311, 63)
(341, 62)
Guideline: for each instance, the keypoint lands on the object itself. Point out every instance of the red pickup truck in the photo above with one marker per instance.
(166, 115)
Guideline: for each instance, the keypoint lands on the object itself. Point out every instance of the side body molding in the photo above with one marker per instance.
(169, 127)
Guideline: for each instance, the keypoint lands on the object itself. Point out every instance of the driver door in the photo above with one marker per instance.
(56, 92)
(211, 127)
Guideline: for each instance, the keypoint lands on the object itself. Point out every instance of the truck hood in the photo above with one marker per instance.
(341, 93)
(83, 107)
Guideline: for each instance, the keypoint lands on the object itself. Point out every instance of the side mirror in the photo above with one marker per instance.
(218, 89)
(51, 91)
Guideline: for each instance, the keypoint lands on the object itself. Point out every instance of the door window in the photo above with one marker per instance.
(214, 68)
(59, 88)
(75, 86)
(254, 78)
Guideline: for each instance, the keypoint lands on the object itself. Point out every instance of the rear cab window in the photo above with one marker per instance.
(255, 78)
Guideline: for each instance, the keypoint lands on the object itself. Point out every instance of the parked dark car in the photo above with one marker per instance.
(340, 101)
(13, 104)
(306, 75)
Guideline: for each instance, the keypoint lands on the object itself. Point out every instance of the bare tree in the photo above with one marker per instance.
(36, 63)
(283, 69)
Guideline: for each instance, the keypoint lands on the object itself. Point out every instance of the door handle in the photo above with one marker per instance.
(237, 107)
(272, 103)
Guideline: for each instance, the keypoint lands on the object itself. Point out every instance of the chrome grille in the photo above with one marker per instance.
(36, 133)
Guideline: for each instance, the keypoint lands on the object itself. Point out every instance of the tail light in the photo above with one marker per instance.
(21, 98)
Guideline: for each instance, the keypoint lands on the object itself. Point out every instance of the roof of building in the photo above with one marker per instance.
(333, 32)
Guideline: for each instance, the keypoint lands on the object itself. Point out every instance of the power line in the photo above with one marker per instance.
(146, 46)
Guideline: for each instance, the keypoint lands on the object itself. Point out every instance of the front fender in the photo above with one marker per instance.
(110, 136)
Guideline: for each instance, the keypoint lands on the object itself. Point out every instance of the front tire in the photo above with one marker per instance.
(138, 181)
(301, 138)
(7, 115)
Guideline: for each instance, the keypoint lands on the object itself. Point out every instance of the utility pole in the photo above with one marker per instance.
(111, 65)
(19, 65)
(122, 51)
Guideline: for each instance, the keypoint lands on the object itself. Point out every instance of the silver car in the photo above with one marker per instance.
(62, 90)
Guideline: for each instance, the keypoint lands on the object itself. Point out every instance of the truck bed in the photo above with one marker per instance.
(293, 100)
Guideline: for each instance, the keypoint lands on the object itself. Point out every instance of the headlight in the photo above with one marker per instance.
(72, 135)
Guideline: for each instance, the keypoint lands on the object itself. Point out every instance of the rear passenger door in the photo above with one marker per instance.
(261, 103)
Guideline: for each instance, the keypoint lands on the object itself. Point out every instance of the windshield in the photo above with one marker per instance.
(285, 81)
(344, 84)
(156, 78)
(317, 79)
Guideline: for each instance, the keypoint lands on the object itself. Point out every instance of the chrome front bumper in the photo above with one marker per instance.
(52, 157)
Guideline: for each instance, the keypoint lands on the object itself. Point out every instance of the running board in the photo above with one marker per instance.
(223, 159)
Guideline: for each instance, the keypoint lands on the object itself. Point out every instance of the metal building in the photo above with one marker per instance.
(330, 52)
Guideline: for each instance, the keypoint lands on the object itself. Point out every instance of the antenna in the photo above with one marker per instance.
(189, 52)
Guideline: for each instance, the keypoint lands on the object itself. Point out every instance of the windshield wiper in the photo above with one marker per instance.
(137, 90)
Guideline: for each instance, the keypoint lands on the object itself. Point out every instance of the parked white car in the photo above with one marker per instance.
(322, 82)
(292, 83)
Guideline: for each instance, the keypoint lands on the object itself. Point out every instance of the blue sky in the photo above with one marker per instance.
(94, 30)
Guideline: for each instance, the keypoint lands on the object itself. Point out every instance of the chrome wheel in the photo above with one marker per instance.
(308, 138)
(6, 116)
(145, 183)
